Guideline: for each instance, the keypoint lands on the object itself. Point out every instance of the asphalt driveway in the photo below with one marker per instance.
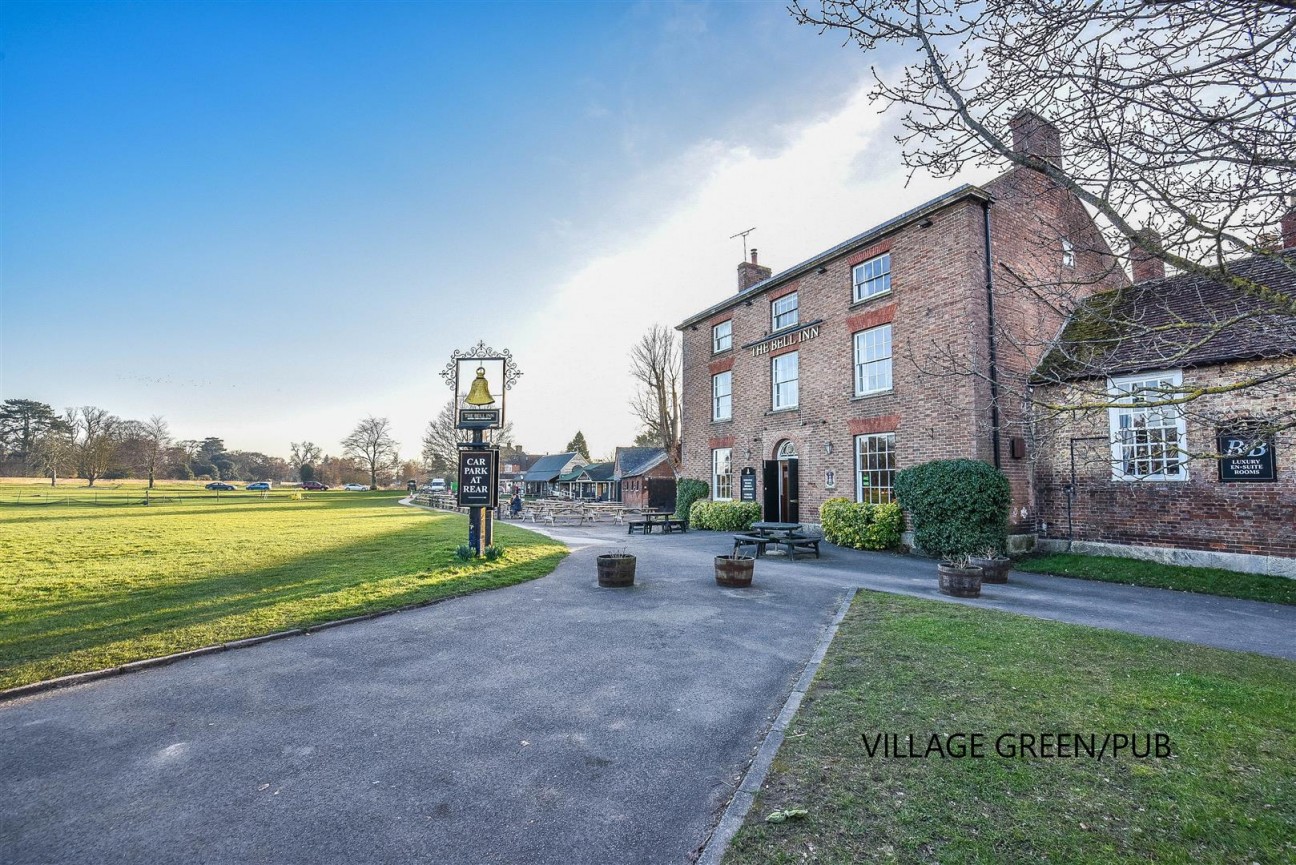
(551, 722)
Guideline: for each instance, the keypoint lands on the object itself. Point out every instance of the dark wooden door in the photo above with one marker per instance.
(770, 480)
(790, 494)
(661, 494)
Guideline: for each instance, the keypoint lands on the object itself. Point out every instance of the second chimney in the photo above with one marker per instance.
(750, 273)
(1144, 263)
(1035, 136)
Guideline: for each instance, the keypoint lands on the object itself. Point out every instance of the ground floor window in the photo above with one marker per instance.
(874, 467)
(722, 474)
(1147, 431)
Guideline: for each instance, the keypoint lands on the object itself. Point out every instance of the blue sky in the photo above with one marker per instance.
(265, 221)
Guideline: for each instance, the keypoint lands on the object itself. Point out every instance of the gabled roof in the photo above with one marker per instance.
(636, 461)
(865, 238)
(600, 471)
(1188, 320)
(550, 466)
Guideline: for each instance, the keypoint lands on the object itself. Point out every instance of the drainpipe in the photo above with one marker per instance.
(994, 366)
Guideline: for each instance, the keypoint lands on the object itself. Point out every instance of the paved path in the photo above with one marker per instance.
(552, 722)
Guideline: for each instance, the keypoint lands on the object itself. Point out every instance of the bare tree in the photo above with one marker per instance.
(304, 457)
(655, 363)
(52, 450)
(441, 440)
(96, 436)
(371, 443)
(1175, 135)
(154, 438)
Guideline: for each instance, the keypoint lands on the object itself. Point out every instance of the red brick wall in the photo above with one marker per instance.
(634, 490)
(1198, 513)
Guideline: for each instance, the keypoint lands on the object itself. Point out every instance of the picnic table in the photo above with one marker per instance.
(660, 519)
(789, 535)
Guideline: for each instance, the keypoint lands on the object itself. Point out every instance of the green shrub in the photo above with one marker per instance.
(861, 525)
(688, 491)
(465, 553)
(493, 552)
(723, 516)
(956, 506)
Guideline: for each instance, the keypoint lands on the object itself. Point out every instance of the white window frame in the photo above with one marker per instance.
(726, 337)
(781, 310)
(790, 395)
(871, 278)
(722, 403)
(875, 464)
(873, 360)
(722, 458)
(1068, 253)
(1134, 415)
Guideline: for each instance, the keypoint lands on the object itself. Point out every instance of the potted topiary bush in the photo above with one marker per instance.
(734, 571)
(994, 565)
(959, 578)
(616, 570)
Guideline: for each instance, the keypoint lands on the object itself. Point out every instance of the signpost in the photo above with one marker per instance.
(480, 378)
(747, 485)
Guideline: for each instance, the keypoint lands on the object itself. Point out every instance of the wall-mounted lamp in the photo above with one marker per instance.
(749, 454)
(828, 448)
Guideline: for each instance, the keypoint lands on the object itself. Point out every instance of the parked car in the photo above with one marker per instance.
(438, 485)
(314, 485)
(355, 488)
(218, 485)
(259, 485)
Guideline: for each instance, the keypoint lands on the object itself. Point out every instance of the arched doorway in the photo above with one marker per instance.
(782, 484)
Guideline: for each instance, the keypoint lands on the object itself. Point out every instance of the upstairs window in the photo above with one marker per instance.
(784, 378)
(872, 277)
(722, 337)
(722, 396)
(1068, 253)
(1147, 436)
(873, 360)
(783, 312)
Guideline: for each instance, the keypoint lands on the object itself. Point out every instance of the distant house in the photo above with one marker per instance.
(593, 481)
(513, 469)
(645, 477)
(542, 478)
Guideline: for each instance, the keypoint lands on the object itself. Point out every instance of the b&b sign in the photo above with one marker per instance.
(478, 479)
(1244, 456)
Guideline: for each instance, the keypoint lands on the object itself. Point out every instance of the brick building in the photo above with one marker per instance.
(897, 346)
(1211, 478)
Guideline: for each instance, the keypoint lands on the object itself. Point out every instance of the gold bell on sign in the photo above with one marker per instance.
(479, 392)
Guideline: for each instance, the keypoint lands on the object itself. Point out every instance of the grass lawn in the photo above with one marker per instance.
(86, 587)
(1134, 572)
(909, 666)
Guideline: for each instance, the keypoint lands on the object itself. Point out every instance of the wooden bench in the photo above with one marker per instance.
(795, 545)
(675, 525)
(757, 541)
(643, 527)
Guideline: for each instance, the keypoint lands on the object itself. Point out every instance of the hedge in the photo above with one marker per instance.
(687, 491)
(724, 516)
(861, 525)
(956, 507)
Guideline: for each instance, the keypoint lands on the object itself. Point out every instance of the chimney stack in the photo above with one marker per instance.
(1035, 136)
(750, 273)
(1288, 224)
(1144, 264)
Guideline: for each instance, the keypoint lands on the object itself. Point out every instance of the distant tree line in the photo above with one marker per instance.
(93, 444)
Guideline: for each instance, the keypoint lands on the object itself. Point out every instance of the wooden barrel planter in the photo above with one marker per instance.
(734, 571)
(959, 582)
(993, 570)
(616, 570)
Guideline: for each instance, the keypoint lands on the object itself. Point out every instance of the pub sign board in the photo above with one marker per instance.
(1246, 457)
(480, 384)
(747, 485)
(478, 478)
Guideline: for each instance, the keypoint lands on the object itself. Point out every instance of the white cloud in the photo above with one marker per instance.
(803, 198)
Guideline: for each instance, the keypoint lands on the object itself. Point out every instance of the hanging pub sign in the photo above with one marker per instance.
(747, 485)
(480, 377)
(1247, 455)
(478, 478)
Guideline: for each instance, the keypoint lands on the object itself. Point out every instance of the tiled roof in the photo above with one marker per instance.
(1181, 321)
(548, 467)
(636, 461)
